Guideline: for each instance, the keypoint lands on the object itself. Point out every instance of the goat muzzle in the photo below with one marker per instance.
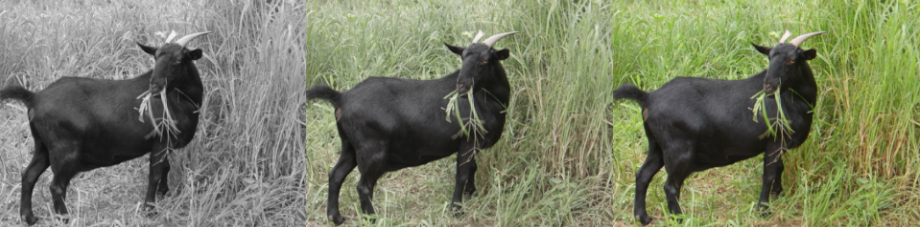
(769, 88)
(462, 89)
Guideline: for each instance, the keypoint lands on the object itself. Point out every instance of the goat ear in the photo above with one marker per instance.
(195, 54)
(762, 49)
(457, 50)
(150, 50)
(810, 54)
(502, 54)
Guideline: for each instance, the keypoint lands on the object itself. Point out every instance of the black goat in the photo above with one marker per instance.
(694, 124)
(387, 124)
(79, 124)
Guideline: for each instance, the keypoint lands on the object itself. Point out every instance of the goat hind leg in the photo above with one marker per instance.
(36, 167)
(345, 165)
(678, 161)
(372, 165)
(653, 163)
(65, 165)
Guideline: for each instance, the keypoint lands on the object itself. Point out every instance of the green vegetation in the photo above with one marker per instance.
(245, 166)
(570, 152)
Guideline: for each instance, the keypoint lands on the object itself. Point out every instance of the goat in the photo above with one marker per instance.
(694, 124)
(80, 124)
(387, 124)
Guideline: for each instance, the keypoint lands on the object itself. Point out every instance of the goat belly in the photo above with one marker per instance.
(707, 162)
(115, 153)
(411, 156)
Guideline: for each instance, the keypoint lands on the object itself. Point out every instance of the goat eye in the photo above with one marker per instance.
(790, 62)
(484, 62)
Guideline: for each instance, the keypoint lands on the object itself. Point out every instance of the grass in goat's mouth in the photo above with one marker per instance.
(453, 111)
(782, 123)
(167, 122)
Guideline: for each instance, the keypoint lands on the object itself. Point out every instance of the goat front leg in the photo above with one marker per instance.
(772, 171)
(470, 187)
(465, 165)
(157, 177)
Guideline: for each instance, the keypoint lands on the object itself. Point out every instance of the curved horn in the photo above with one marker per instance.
(785, 36)
(172, 35)
(184, 40)
(799, 40)
(491, 40)
(478, 35)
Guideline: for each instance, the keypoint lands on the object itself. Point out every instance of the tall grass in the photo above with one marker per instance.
(570, 152)
(245, 166)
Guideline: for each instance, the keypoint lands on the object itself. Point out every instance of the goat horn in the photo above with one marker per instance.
(799, 40)
(478, 35)
(491, 40)
(785, 36)
(172, 35)
(184, 40)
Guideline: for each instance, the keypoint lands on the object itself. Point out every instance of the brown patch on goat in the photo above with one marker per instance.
(644, 114)
(338, 113)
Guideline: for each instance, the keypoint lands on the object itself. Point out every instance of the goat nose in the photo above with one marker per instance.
(768, 88)
(461, 88)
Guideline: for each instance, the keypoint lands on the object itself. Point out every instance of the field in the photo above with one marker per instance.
(570, 151)
(246, 164)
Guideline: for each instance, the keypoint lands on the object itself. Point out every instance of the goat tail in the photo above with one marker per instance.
(630, 91)
(322, 91)
(18, 93)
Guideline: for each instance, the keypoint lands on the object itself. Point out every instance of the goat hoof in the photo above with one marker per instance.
(763, 211)
(644, 219)
(776, 194)
(337, 219)
(30, 219)
(456, 209)
(372, 220)
(149, 211)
